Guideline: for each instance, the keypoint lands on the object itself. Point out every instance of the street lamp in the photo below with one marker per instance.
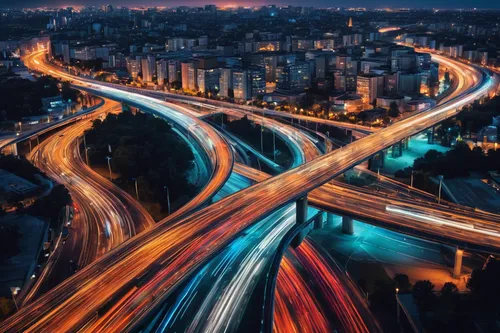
(168, 198)
(14, 291)
(440, 177)
(397, 304)
(262, 136)
(109, 166)
(20, 126)
(411, 178)
(87, 155)
(274, 145)
(136, 188)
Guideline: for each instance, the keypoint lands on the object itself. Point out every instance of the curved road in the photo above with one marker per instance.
(177, 249)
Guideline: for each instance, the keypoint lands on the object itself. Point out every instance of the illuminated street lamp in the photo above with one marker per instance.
(14, 291)
(397, 304)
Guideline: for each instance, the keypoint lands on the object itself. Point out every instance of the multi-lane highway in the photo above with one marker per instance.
(177, 249)
(216, 152)
(409, 214)
(106, 216)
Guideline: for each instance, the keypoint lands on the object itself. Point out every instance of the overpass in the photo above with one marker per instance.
(49, 127)
(448, 224)
(173, 251)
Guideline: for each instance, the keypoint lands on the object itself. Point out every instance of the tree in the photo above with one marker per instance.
(393, 110)
(50, 205)
(136, 154)
(449, 288)
(67, 93)
(6, 307)
(484, 285)
(423, 294)
(403, 283)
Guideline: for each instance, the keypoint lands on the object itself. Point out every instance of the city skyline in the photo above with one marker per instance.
(425, 4)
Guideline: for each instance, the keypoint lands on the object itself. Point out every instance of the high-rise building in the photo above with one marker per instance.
(270, 63)
(294, 76)
(174, 44)
(208, 79)
(161, 71)
(369, 87)
(258, 77)
(320, 67)
(188, 70)
(133, 67)
(148, 67)
(242, 85)
(174, 71)
(225, 81)
(65, 53)
(409, 83)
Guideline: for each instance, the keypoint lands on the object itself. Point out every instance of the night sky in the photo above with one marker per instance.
(318, 3)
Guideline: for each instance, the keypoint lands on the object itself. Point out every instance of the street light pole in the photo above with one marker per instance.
(411, 178)
(109, 167)
(397, 304)
(87, 156)
(261, 138)
(136, 189)
(14, 291)
(440, 177)
(274, 145)
(168, 199)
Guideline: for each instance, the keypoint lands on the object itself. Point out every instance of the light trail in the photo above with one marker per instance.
(108, 209)
(187, 244)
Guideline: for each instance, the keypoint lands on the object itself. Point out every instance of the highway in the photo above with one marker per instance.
(217, 153)
(334, 293)
(407, 214)
(181, 247)
(106, 216)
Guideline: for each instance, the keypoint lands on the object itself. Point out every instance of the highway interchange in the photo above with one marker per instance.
(180, 246)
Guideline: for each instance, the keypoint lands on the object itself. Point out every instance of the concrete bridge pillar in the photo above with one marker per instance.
(318, 221)
(329, 220)
(349, 135)
(430, 136)
(381, 158)
(13, 149)
(406, 143)
(301, 210)
(300, 218)
(347, 226)
(457, 268)
(397, 150)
